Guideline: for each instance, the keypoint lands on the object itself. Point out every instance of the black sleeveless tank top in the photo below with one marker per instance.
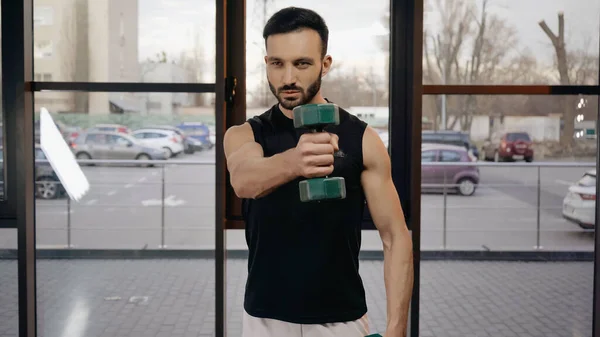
(303, 257)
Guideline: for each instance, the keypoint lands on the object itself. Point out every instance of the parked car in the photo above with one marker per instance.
(167, 140)
(198, 131)
(113, 145)
(579, 205)
(62, 128)
(47, 183)
(508, 146)
(189, 146)
(451, 138)
(460, 178)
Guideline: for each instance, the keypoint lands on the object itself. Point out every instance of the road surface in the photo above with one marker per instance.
(123, 210)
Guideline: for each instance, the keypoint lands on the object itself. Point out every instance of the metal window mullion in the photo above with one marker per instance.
(17, 104)
(406, 90)
(220, 113)
(511, 89)
(123, 87)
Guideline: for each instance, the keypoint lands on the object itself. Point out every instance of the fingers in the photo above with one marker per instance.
(318, 171)
(320, 160)
(317, 149)
(335, 142)
(317, 137)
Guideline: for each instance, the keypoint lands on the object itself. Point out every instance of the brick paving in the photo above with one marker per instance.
(175, 298)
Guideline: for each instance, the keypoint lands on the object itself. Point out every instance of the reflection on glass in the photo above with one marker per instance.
(510, 130)
(510, 42)
(358, 44)
(124, 206)
(520, 203)
(9, 292)
(133, 207)
(124, 41)
(358, 82)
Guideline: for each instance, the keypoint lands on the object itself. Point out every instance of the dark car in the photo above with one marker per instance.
(460, 178)
(509, 146)
(47, 185)
(451, 138)
(199, 132)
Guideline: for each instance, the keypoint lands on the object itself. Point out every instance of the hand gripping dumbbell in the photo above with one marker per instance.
(316, 117)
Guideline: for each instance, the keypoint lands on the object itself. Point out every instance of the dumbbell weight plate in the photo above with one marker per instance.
(316, 115)
(322, 189)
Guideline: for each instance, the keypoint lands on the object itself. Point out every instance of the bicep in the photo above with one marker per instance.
(239, 145)
(380, 191)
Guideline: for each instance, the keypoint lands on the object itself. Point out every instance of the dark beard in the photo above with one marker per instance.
(305, 96)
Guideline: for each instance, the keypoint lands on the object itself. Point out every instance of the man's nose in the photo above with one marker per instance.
(289, 76)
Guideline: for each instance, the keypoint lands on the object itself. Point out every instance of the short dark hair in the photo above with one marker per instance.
(294, 18)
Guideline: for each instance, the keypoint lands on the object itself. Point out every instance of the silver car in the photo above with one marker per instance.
(104, 145)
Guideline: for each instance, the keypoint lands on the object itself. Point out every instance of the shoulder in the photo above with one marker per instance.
(262, 121)
(375, 153)
(237, 135)
(252, 127)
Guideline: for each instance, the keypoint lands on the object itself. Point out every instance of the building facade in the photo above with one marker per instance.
(86, 41)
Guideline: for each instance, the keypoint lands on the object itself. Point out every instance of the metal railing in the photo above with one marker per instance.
(448, 185)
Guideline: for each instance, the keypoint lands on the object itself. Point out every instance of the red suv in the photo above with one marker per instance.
(508, 146)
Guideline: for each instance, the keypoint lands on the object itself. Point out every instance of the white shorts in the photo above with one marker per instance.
(266, 327)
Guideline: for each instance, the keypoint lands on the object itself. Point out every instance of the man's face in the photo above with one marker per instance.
(295, 66)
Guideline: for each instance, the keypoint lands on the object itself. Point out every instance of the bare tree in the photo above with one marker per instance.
(352, 88)
(578, 67)
(471, 47)
(193, 62)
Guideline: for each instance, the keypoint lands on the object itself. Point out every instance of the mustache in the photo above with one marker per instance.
(289, 87)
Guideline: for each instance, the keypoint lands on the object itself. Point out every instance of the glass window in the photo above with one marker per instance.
(588, 180)
(357, 82)
(118, 140)
(168, 41)
(39, 154)
(450, 156)
(515, 136)
(96, 138)
(358, 79)
(496, 207)
(429, 137)
(515, 46)
(9, 279)
(134, 207)
(428, 156)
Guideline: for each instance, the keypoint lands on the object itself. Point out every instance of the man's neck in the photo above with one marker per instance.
(318, 99)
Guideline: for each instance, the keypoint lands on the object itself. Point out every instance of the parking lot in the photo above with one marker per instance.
(123, 209)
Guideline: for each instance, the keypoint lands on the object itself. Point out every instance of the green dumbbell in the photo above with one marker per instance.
(374, 335)
(316, 117)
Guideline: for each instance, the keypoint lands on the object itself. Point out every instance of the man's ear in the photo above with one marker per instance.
(265, 59)
(327, 61)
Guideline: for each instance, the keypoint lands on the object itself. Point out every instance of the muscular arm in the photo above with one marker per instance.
(386, 211)
(253, 175)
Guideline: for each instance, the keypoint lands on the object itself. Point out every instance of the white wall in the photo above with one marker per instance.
(539, 128)
(163, 103)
